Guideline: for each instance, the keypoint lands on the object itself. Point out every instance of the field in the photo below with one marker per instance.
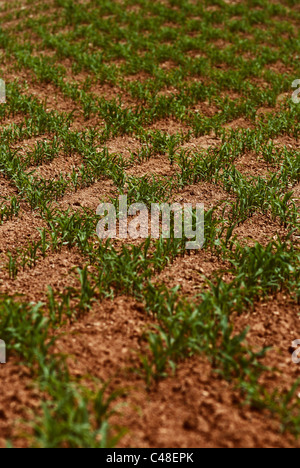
(141, 342)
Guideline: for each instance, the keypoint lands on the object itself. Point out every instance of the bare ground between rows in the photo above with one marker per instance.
(58, 271)
(274, 323)
(195, 408)
(19, 401)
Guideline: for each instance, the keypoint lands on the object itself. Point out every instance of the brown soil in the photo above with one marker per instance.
(19, 400)
(194, 407)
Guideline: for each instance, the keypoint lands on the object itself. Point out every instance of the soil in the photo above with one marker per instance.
(194, 407)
